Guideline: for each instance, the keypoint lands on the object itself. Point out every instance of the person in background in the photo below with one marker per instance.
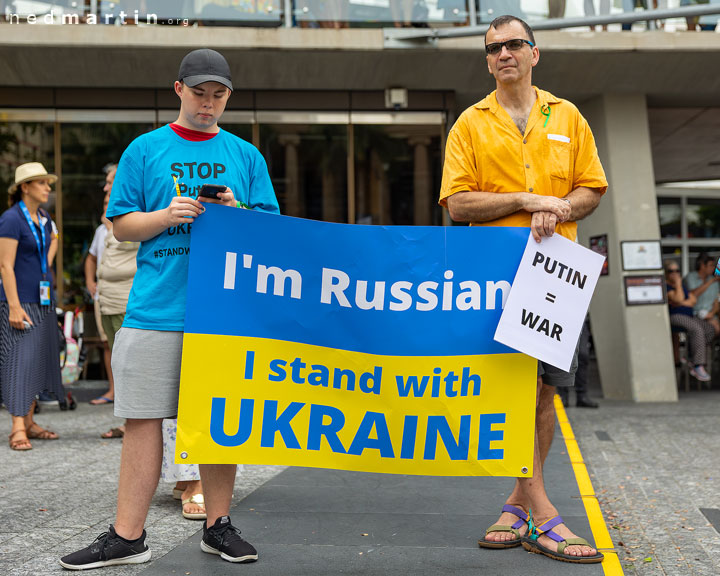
(693, 22)
(703, 284)
(556, 8)
(92, 262)
(29, 350)
(582, 400)
(699, 333)
(45, 397)
(604, 9)
(630, 5)
(53, 245)
(115, 277)
(188, 485)
(114, 280)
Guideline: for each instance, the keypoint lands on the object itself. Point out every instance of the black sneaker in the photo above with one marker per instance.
(224, 539)
(108, 549)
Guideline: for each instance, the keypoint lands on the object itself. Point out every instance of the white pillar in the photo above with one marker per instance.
(633, 343)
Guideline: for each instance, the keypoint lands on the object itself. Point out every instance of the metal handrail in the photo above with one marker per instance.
(397, 37)
(431, 34)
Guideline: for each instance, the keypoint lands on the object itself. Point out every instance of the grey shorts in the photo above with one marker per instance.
(555, 377)
(146, 367)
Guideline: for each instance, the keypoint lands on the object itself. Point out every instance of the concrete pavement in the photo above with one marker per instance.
(653, 468)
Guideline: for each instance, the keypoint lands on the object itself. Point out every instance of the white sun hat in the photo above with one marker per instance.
(31, 171)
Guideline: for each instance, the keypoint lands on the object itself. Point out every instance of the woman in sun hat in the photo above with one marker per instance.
(29, 354)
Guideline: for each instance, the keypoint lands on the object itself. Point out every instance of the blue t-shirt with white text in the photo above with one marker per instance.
(144, 183)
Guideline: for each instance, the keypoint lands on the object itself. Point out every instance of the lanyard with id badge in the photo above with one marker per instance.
(40, 242)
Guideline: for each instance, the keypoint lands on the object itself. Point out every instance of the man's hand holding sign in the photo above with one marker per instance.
(545, 311)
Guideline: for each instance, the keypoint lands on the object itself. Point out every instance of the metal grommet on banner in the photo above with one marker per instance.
(524, 469)
(183, 455)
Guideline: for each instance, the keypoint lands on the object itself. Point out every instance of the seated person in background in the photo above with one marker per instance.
(703, 284)
(699, 333)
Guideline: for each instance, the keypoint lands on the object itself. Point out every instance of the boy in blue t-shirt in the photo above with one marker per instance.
(155, 201)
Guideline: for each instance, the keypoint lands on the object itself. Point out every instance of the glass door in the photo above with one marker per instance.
(308, 168)
(398, 168)
(87, 148)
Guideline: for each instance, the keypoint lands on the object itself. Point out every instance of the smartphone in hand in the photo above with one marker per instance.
(212, 191)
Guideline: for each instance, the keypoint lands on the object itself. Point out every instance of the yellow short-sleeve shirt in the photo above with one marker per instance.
(486, 152)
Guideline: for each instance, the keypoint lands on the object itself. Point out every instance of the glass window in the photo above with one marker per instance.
(308, 168)
(695, 250)
(378, 13)
(671, 252)
(491, 9)
(669, 214)
(703, 217)
(243, 131)
(397, 174)
(22, 142)
(86, 150)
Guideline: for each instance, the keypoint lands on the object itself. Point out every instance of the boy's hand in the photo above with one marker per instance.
(226, 198)
(182, 210)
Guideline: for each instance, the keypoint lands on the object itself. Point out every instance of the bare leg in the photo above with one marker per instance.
(534, 488)
(139, 474)
(107, 360)
(518, 497)
(18, 435)
(529, 493)
(545, 419)
(31, 427)
(27, 420)
(715, 324)
(18, 422)
(218, 481)
(107, 357)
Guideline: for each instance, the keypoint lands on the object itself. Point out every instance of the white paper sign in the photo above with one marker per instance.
(549, 298)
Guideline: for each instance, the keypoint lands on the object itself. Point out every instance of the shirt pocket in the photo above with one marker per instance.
(559, 155)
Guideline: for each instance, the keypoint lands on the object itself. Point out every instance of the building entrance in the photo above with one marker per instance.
(350, 167)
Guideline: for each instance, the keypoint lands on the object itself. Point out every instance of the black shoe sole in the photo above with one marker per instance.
(240, 559)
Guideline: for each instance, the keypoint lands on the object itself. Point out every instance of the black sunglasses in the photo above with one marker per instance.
(512, 45)
(671, 270)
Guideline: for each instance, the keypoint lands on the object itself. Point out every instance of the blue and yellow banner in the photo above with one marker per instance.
(361, 348)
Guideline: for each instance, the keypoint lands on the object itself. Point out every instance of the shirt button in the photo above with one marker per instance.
(527, 165)
(530, 190)
(524, 140)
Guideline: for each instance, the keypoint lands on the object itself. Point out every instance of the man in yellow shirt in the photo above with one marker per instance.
(522, 157)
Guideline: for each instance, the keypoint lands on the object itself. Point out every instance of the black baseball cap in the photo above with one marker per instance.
(204, 65)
